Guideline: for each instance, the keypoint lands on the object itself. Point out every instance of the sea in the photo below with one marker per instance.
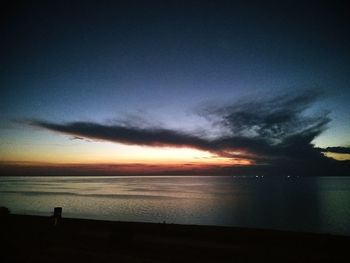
(308, 204)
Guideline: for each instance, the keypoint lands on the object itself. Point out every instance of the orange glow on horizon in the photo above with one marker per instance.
(44, 168)
(106, 153)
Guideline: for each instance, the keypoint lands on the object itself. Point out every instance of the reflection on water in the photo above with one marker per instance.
(316, 204)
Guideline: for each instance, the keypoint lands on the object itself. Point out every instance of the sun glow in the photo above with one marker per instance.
(92, 152)
(338, 156)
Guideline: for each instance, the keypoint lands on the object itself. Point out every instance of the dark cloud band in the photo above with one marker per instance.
(127, 135)
(343, 150)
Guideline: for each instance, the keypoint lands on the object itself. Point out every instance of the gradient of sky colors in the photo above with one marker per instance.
(157, 65)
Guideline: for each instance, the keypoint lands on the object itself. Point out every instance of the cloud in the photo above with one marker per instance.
(277, 132)
(275, 127)
(344, 150)
(126, 134)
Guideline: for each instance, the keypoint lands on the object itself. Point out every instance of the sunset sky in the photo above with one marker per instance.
(118, 87)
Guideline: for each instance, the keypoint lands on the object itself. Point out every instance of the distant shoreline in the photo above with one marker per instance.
(180, 175)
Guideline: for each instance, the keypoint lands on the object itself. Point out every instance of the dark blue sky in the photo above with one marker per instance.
(104, 60)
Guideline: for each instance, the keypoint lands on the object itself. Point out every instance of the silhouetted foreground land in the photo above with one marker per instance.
(36, 239)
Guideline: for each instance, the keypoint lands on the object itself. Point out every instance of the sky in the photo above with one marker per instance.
(175, 87)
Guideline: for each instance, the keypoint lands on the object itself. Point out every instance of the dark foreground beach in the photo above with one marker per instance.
(36, 239)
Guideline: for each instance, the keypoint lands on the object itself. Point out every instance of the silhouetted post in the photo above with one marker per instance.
(4, 214)
(57, 215)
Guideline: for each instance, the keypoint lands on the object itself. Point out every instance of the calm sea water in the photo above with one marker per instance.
(314, 204)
